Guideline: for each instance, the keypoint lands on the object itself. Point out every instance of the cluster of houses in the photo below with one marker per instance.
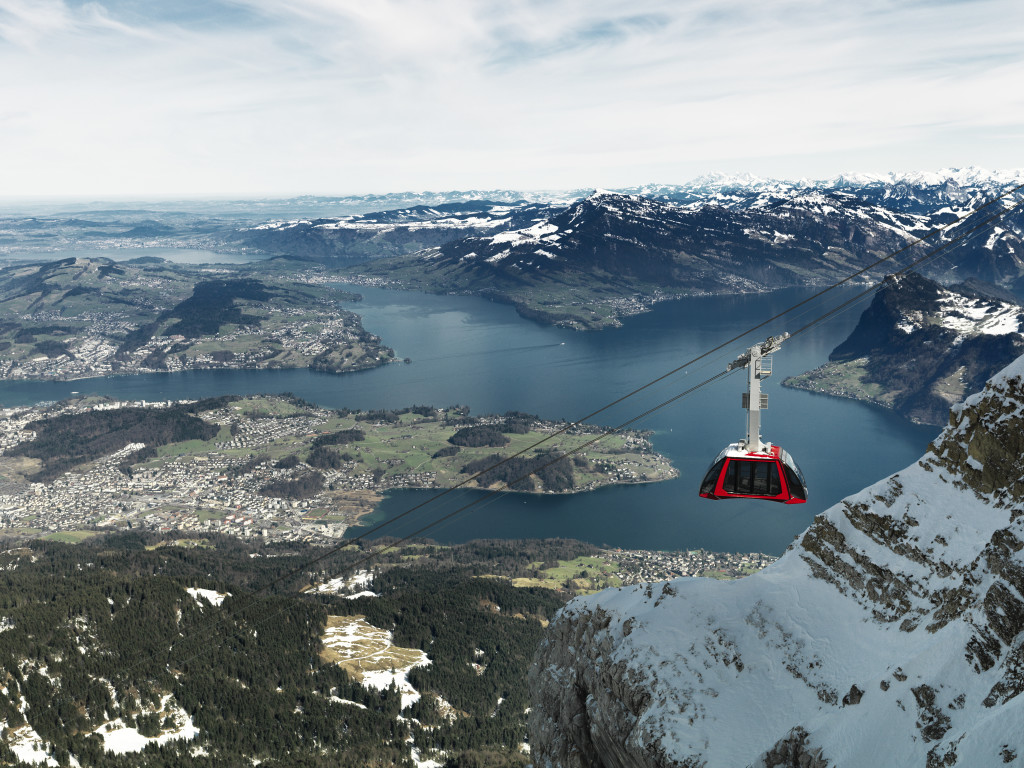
(233, 488)
(215, 491)
(639, 566)
(93, 351)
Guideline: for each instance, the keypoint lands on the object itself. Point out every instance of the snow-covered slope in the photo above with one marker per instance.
(388, 232)
(715, 233)
(890, 634)
(616, 238)
(920, 347)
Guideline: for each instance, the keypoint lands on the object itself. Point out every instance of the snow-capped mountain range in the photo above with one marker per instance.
(700, 188)
(716, 234)
(763, 212)
(891, 633)
(738, 190)
(631, 236)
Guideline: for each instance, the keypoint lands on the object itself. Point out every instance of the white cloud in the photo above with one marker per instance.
(264, 96)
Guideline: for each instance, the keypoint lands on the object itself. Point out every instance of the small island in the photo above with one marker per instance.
(279, 468)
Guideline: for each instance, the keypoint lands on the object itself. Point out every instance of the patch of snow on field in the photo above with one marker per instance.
(367, 651)
(120, 739)
(27, 745)
(210, 596)
(342, 584)
(906, 327)
(994, 237)
(423, 762)
(337, 700)
(382, 680)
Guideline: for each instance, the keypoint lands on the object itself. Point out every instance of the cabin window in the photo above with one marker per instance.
(711, 478)
(795, 483)
(752, 478)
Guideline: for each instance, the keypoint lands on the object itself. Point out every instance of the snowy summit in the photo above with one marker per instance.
(890, 634)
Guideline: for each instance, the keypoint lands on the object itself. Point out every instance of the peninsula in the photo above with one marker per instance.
(920, 347)
(278, 468)
(86, 317)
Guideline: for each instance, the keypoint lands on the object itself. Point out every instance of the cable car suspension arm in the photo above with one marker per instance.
(757, 360)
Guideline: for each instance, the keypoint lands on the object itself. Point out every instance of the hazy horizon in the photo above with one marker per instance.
(115, 99)
(535, 192)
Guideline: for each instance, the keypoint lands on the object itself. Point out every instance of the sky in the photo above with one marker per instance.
(130, 98)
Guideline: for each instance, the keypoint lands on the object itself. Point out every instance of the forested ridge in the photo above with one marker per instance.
(553, 470)
(211, 305)
(106, 630)
(68, 440)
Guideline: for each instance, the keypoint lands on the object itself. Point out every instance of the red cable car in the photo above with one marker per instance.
(752, 469)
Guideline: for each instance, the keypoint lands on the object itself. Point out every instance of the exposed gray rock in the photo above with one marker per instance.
(891, 633)
(792, 752)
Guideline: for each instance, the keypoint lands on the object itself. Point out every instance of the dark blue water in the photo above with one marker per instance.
(474, 352)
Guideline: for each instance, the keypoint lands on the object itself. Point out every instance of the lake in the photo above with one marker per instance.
(471, 351)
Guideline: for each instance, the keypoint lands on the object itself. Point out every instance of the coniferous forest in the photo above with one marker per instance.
(106, 629)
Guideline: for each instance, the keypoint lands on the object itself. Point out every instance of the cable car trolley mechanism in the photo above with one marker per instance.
(752, 469)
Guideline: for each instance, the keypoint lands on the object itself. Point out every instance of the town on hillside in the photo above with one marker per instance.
(279, 470)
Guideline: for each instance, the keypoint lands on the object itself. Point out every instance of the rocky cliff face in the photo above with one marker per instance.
(921, 347)
(890, 634)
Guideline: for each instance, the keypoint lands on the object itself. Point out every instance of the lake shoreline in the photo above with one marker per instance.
(481, 354)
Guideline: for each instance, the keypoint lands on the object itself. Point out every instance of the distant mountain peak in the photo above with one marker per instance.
(599, 196)
(971, 176)
(719, 179)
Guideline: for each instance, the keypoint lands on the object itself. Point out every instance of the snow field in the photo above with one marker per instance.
(369, 655)
(348, 585)
(204, 596)
(733, 666)
(120, 739)
(969, 316)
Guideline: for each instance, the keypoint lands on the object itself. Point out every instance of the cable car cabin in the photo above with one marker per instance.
(750, 468)
(740, 474)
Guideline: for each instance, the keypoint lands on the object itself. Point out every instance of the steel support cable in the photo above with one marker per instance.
(903, 270)
(491, 494)
(506, 486)
(677, 369)
(250, 598)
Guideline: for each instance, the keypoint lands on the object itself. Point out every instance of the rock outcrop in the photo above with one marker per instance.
(920, 347)
(890, 634)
